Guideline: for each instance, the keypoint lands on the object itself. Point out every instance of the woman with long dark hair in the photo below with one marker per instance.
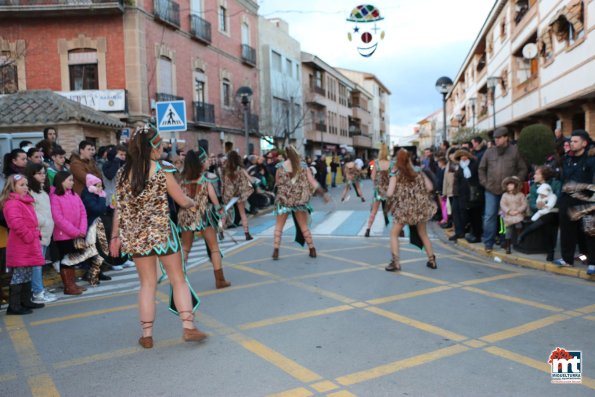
(143, 229)
(294, 182)
(411, 204)
(14, 162)
(204, 217)
(236, 183)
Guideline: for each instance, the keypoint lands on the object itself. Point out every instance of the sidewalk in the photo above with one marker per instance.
(533, 261)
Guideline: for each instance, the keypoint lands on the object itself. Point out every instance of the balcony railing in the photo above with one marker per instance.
(162, 97)
(204, 113)
(167, 11)
(318, 90)
(59, 7)
(200, 29)
(320, 127)
(248, 55)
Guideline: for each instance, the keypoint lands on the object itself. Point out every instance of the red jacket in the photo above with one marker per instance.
(70, 217)
(24, 238)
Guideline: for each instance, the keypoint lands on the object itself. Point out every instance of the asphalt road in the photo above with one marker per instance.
(337, 325)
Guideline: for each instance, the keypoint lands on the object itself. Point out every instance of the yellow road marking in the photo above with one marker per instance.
(417, 324)
(235, 287)
(243, 248)
(114, 354)
(266, 259)
(592, 318)
(395, 366)
(83, 315)
(43, 386)
(475, 343)
(587, 309)
(330, 273)
(342, 393)
(493, 278)
(84, 300)
(407, 295)
(324, 386)
(525, 328)
(37, 378)
(7, 377)
(359, 304)
(348, 248)
(293, 317)
(253, 271)
(513, 299)
(347, 260)
(291, 367)
(320, 291)
(299, 392)
(423, 278)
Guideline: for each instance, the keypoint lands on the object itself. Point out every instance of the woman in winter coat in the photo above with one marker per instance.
(23, 250)
(37, 178)
(70, 223)
(470, 196)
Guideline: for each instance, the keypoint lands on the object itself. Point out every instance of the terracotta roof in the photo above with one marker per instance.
(46, 107)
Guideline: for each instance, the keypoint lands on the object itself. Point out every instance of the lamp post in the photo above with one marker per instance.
(245, 93)
(443, 86)
(492, 82)
(473, 102)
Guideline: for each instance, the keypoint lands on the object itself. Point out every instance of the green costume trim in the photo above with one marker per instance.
(281, 209)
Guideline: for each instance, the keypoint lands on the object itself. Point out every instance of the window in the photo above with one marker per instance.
(524, 69)
(222, 19)
(297, 71)
(276, 62)
(196, 7)
(82, 69)
(226, 92)
(288, 67)
(503, 28)
(8, 75)
(165, 82)
(245, 34)
(199, 85)
(318, 78)
(568, 23)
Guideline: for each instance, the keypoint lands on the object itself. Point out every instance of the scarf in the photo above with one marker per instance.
(465, 166)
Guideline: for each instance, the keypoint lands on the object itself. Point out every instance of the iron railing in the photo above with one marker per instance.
(167, 11)
(204, 113)
(248, 55)
(200, 28)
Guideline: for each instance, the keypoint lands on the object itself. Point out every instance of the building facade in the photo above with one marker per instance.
(282, 113)
(147, 50)
(531, 62)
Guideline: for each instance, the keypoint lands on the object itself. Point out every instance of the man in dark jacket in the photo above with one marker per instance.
(498, 162)
(578, 167)
(116, 158)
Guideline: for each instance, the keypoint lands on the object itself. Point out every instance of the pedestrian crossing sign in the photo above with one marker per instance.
(171, 116)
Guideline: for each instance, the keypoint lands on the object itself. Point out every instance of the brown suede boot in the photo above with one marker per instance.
(220, 281)
(508, 245)
(70, 287)
(191, 334)
(312, 252)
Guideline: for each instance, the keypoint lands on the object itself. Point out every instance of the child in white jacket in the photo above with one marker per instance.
(547, 199)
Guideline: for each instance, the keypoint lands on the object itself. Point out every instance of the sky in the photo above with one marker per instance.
(424, 40)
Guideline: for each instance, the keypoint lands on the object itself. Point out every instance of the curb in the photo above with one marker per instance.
(513, 259)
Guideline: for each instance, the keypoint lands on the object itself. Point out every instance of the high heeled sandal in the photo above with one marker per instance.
(275, 253)
(432, 262)
(367, 234)
(248, 236)
(191, 334)
(312, 252)
(146, 341)
(394, 265)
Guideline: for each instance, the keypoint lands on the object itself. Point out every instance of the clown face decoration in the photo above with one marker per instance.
(366, 30)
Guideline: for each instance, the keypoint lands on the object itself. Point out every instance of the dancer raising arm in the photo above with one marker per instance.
(143, 229)
(197, 183)
(294, 182)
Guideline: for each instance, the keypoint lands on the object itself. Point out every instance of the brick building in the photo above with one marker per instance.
(196, 50)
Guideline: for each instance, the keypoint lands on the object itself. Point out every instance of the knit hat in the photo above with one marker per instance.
(463, 152)
(512, 179)
(92, 180)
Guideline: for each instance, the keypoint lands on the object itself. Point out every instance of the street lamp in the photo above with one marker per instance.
(473, 102)
(245, 93)
(443, 86)
(492, 82)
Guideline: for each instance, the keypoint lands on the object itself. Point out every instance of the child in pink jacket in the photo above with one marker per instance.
(23, 249)
(70, 223)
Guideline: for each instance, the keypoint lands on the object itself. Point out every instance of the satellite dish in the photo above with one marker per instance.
(530, 51)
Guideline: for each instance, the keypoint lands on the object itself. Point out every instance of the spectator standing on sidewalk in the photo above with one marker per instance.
(83, 164)
(479, 147)
(35, 155)
(57, 164)
(36, 176)
(15, 162)
(23, 249)
(49, 143)
(498, 162)
(578, 168)
(470, 198)
(513, 206)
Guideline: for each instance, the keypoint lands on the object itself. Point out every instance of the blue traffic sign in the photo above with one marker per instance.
(171, 116)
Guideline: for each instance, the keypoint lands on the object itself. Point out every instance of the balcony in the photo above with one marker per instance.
(200, 29)
(204, 113)
(362, 141)
(38, 8)
(248, 55)
(162, 97)
(360, 113)
(320, 127)
(168, 12)
(317, 96)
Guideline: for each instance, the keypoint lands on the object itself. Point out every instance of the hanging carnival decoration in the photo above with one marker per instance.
(366, 29)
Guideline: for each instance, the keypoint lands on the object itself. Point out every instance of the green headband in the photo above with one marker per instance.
(202, 155)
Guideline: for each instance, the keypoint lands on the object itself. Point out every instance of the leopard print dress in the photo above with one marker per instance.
(293, 193)
(238, 186)
(204, 214)
(410, 203)
(145, 227)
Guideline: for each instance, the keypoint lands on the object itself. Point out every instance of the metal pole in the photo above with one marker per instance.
(494, 106)
(246, 128)
(444, 132)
